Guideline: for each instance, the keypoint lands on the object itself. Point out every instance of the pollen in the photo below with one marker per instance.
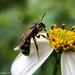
(61, 39)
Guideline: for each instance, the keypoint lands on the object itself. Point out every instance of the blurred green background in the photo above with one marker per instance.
(17, 15)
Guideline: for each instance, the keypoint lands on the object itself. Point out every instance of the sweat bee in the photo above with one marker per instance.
(31, 32)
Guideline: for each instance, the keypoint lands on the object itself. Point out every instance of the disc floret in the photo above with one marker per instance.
(61, 39)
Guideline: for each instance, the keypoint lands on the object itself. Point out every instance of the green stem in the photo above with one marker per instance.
(56, 64)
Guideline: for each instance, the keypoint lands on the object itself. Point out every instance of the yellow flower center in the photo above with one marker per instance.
(61, 39)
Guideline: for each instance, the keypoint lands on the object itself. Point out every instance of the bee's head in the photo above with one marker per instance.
(40, 26)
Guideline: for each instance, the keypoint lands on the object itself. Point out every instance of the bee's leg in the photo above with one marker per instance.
(46, 32)
(43, 36)
(38, 36)
(36, 47)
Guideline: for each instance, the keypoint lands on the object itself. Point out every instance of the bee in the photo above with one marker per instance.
(31, 32)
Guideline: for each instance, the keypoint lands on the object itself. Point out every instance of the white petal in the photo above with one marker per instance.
(68, 63)
(27, 65)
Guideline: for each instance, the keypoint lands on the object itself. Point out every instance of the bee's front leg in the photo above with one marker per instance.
(43, 36)
(46, 32)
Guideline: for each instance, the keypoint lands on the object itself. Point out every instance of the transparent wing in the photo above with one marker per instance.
(25, 36)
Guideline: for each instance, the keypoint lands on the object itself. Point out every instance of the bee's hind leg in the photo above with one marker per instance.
(36, 47)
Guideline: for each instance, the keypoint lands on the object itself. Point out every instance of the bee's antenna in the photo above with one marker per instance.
(43, 16)
(38, 18)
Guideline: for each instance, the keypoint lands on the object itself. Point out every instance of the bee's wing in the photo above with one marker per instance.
(26, 35)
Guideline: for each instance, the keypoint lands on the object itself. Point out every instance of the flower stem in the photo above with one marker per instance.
(56, 63)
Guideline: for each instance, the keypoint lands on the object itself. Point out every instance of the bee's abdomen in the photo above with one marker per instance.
(26, 47)
(25, 50)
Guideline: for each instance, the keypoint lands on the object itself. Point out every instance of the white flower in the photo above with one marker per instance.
(27, 65)
(68, 63)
